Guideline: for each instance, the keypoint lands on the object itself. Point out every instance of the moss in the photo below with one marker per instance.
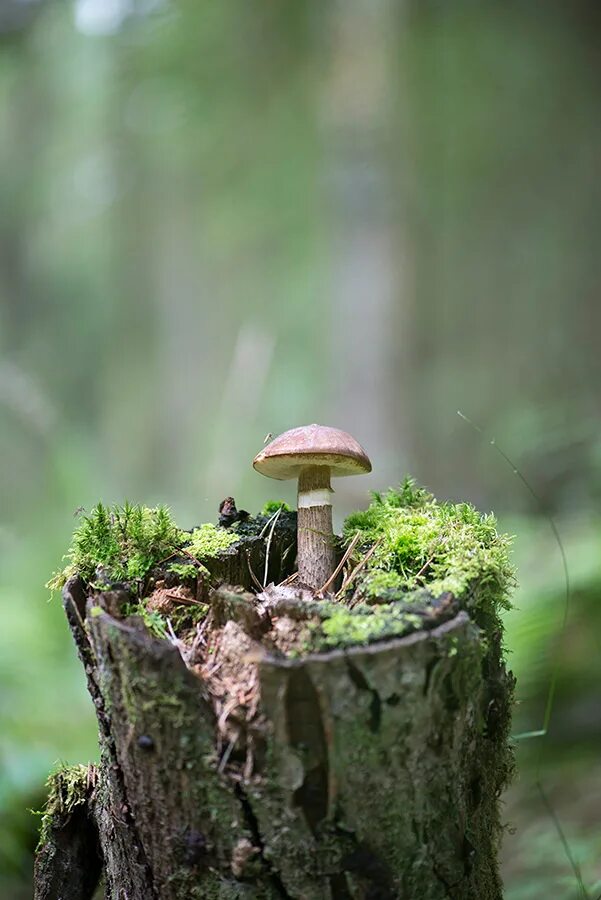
(186, 570)
(119, 543)
(209, 541)
(272, 506)
(67, 789)
(403, 763)
(425, 554)
(363, 625)
(381, 585)
(186, 616)
(418, 544)
(442, 546)
(154, 621)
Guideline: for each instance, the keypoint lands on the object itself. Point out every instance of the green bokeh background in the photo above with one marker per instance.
(223, 220)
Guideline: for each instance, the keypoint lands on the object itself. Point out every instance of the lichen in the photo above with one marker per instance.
(420, 542)
(209, 541)
(68, 788)
(119, 543)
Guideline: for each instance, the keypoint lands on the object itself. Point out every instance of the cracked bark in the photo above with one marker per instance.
(377, 772)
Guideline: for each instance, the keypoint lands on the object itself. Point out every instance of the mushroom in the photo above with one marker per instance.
(313, 453)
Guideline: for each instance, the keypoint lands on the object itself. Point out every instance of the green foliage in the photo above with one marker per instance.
(382, 584)
(184, 616)
(420, 542)
(125, 541)
(408, 494)
(272, 507)
(154, 621)
(122, 543)
(186, 570)
(209, 540)
(67, 789)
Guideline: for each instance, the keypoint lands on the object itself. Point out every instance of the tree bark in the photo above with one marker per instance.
(367, 772)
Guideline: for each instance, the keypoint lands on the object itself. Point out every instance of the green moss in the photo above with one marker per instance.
(442, 546)
(186, 570)
(186, 616)
(67, 789)
(124, 541)
(154, 621)
(363, 625)
(209, 540)
(379, 584)
(272, 507)
(422, 550)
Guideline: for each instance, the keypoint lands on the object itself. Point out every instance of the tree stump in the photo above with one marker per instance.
(245, 759)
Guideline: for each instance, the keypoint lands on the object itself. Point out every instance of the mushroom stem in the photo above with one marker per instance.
(316, 552)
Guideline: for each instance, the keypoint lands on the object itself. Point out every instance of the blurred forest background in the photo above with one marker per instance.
(219, 220)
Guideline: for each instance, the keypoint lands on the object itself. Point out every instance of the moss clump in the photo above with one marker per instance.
(68, 788)
(209, 541)
(363, 625)
(442, 546)
(125, 542)
(187, 616)
(186, 571)
(272, 506)
(381, 584)
(336, 625)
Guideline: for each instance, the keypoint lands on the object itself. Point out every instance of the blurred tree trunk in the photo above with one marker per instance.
(370, 282)
(504, 203)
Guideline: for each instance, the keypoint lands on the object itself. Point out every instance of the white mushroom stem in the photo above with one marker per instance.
(316, 552)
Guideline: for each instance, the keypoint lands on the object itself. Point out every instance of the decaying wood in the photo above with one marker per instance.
(69, 863)
(369, 772)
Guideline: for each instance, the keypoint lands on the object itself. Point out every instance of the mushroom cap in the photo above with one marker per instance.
(312, 445)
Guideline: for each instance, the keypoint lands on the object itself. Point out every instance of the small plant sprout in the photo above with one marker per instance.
(313, 454)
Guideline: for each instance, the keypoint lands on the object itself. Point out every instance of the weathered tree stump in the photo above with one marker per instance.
(244, 760)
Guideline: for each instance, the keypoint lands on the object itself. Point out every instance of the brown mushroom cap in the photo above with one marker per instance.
(312, 445)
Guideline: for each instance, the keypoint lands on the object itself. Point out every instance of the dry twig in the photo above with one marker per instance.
(275, 518)
(340, 565)
(424, 567)
(187, 601)
(252, 574)
(358, 568)
(288, 580)
(226, 755)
